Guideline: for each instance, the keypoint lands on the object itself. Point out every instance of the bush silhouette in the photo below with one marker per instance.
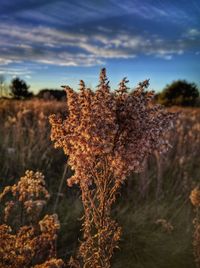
(19, 89)
(52, 94)
(180, 92)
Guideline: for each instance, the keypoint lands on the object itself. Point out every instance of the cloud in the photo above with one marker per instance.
(89, 33)
(18, 71)
(59, 12)
(193, 33)
(166, 57)
(50, 46)
(158, 11)
(28, 76)
(5, 61)
(46, 45)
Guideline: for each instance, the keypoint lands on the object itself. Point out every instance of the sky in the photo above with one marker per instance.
(49, 43)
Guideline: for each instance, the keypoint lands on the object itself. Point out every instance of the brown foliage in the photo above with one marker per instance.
(24, 129)
(52, 263)
(33, 243)
(29, 194)
(195, 200)
(195, 197)
(107, 135)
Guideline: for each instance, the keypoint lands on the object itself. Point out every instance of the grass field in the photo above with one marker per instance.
(153, 209)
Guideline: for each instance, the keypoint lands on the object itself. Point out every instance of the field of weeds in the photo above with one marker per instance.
(154, 211)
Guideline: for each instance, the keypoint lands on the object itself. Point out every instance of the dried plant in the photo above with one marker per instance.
(52, 263)
(29, 195)
(195, 197)
(24, 129)
(33, 243)
(107, 135)
(195, 200)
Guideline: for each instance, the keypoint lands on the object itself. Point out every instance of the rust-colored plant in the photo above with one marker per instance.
(27, 242)
(195, 200)
(107, 135)
(29, 196)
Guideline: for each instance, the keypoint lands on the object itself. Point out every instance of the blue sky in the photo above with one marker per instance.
(53, 42)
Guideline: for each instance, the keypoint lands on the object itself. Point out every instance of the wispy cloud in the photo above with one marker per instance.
(158, 11)
(52, 46)
(39, 37)
(193, 33)
(19, 71)
(100, 38)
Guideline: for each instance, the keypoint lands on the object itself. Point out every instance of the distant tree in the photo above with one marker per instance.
(19, 89)
(180, 92)
(52, 94)
(2, 85)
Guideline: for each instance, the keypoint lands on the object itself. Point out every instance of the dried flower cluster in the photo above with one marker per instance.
(195, 197)
(30, 193)
(195, 200)
(34, 243)
(107, 135)
(52, 263)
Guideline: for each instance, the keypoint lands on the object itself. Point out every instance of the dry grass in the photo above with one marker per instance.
(24, 137)
(160, 192)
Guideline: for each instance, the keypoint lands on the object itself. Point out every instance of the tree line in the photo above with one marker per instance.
(178, 93)
(19, 90)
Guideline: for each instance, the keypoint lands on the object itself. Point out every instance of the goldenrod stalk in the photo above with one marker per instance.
(106, 135)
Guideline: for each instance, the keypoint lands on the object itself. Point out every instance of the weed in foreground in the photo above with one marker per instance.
(107, 135)
(28, 242)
